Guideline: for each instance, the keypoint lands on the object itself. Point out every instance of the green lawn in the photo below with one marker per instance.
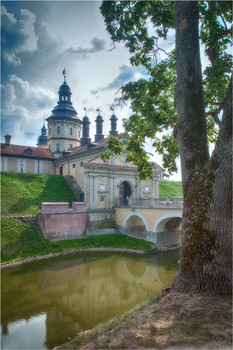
(21, 240)
(170, 189)
(23, 193)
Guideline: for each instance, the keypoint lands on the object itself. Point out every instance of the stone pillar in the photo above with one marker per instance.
(95, 194)
(137, 194)
(112, 194)
(154, 187)
(93, 191)
(141, 189)
(157, 186)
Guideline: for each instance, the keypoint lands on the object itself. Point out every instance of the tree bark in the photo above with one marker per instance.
(206, 234)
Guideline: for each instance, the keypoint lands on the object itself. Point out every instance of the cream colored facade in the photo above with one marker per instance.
(102, 184)
(63, 134)
(22, 165)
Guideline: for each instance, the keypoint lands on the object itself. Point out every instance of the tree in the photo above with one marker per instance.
(199, 98)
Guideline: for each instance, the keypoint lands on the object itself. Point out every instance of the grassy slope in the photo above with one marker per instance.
(21, 240)
(23, 193)
(170, 189)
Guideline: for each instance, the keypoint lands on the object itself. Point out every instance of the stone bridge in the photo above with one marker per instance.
(155, 220)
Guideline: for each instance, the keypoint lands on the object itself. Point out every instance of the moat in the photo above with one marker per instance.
(47, 302)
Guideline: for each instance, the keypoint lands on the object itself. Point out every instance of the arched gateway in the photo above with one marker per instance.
(125, 192)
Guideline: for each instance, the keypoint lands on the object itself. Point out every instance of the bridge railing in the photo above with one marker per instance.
(176, 202)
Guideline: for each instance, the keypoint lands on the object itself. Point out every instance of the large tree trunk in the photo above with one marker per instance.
(206, 237)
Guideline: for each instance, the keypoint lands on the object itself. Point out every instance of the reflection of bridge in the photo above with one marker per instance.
(153, 219)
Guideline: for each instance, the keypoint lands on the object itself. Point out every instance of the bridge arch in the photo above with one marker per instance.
(136, 225)
(167, 229)
(163, 220)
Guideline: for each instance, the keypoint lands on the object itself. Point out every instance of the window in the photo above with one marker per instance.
(28, 151)
(70, 131)
(79, 133)
(49, 131)
(73, 165)
(70, 146)
(58, 147)
(58, 130)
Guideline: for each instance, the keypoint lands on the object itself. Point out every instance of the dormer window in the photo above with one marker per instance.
(28, 151)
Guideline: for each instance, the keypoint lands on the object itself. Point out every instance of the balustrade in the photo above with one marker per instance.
(176, 202)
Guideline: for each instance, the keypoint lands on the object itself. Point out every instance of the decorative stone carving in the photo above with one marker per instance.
(103, 183)
(147, 186)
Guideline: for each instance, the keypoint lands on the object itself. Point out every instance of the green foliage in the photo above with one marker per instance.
(23, 193)
(170, 189)
(21, 240)
(152, 98)
(135, 154)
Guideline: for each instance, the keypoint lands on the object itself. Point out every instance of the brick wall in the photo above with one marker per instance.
(59, 222)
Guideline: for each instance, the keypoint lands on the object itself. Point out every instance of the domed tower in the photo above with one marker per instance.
(99, 128)
(64, 126)
(42, 139)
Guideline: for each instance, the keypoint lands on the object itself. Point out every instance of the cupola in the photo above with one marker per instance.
(42, 139)
(64, 106)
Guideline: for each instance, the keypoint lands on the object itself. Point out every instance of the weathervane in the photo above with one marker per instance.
(112, 107)
(85, 111)
(64, 74)
(98, 110)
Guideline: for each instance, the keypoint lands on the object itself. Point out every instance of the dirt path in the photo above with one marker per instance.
(176, 321)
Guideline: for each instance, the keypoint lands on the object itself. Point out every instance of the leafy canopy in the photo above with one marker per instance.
(152, 98)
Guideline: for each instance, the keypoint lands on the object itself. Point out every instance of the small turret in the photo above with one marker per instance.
(113, 120)
(99, 128)
(85, 131)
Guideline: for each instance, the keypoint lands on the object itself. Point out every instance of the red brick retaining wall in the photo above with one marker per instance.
(59, 222)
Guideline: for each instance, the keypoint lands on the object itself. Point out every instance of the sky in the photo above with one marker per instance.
(39, 40)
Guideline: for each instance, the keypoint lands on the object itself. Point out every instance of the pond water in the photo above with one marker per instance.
(47, 302)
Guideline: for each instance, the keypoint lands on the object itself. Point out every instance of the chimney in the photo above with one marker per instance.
(7, 139)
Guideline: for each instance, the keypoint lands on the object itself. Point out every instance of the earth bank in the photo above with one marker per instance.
(175, 321)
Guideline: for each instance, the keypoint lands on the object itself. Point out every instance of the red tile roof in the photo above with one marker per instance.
(103, 143)
(17, 150)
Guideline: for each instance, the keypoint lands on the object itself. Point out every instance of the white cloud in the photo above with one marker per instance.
(27, 21)
(23, 109)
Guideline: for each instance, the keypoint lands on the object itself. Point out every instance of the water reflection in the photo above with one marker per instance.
(43, 304)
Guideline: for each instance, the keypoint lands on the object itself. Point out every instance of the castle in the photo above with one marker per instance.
(68, 150)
